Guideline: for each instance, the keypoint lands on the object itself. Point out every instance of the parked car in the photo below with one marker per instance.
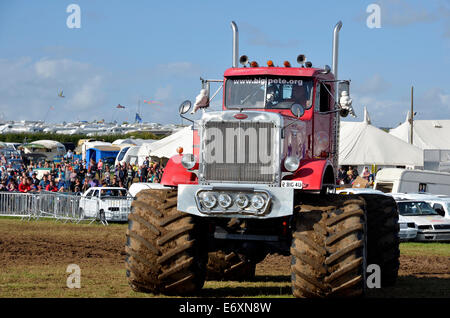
(408, 229)
(110, 203)
(441, 206)
(430, 225)
(440, 203)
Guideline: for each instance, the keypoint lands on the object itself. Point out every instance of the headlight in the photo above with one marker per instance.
(225, 200)
(291, 163)
(258, 201)
(403, 225)
(242, 201)
(208, 200)
(188, 161)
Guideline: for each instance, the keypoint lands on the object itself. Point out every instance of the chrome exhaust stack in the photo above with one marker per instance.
(334, 67)
(337, 118)
(235, 44)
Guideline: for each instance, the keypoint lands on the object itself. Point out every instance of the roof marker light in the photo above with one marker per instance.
(270, 63)
(286, 64)
(254, 64)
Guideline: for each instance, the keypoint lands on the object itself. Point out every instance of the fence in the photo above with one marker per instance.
(63, 207)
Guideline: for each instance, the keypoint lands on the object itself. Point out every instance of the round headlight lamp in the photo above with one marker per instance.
(225, 200)
(258, 201)
(188, 161)
(208, 200)
(291, 163)
(242, 201)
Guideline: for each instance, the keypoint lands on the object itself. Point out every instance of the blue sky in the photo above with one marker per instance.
(158, 50)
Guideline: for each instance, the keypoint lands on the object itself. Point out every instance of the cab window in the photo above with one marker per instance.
(323, 98)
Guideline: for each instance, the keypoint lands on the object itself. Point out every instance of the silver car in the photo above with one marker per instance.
(408, 229)
(430, 225)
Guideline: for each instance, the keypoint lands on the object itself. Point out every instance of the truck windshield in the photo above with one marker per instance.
(415, 208)
(268, 92)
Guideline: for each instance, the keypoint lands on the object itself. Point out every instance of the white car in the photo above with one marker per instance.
(440, 203)
(110, 203)
(408, 229)
(441, 206)
(430, 225)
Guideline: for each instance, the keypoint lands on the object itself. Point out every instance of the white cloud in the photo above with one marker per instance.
(182, 69)
(260, 38)
(162, 93)
(28, 88)
(47, 68)
(88, 95)
(374, 84)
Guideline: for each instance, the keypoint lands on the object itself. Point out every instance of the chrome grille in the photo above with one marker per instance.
(250, 151)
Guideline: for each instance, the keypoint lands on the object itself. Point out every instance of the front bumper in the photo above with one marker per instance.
(116, 216)
(426, 236)
(407, 234)
(281, 200)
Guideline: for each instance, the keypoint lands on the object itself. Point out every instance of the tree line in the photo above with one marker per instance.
(30, 137)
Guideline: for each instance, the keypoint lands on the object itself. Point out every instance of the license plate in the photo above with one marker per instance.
(292, 184)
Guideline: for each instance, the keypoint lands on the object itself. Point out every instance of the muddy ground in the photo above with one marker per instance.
(30, 250)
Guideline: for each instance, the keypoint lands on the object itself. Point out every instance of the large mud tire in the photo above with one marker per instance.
(165, 252)
(229, 266)
(382, 236)
(329, 246)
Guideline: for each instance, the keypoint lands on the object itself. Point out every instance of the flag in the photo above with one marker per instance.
(138, 118)
(120, 106)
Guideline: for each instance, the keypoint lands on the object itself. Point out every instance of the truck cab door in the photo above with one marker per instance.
(322, 123)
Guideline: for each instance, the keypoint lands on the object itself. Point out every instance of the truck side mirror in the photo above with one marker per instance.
(185, 107)
(343, 86)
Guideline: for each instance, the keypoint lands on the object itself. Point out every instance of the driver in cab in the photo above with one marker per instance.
(298, 96)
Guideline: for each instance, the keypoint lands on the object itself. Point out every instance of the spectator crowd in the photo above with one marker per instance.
(347, 176)
(74, 175)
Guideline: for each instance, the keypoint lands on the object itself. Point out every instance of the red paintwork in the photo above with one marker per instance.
(196, 143)
(315, 125)
(311, 173)
(175, 174)
(314, 73)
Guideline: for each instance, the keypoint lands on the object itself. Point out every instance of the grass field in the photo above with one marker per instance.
(34, 257)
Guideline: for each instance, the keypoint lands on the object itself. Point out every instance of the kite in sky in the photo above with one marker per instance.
(152, 102)
(60, 94)
(120, 106)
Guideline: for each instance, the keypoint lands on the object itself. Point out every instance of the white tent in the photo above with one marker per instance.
(427, 134)
(49, 148)
(132, 141)
(167, 147)
(361, 143)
